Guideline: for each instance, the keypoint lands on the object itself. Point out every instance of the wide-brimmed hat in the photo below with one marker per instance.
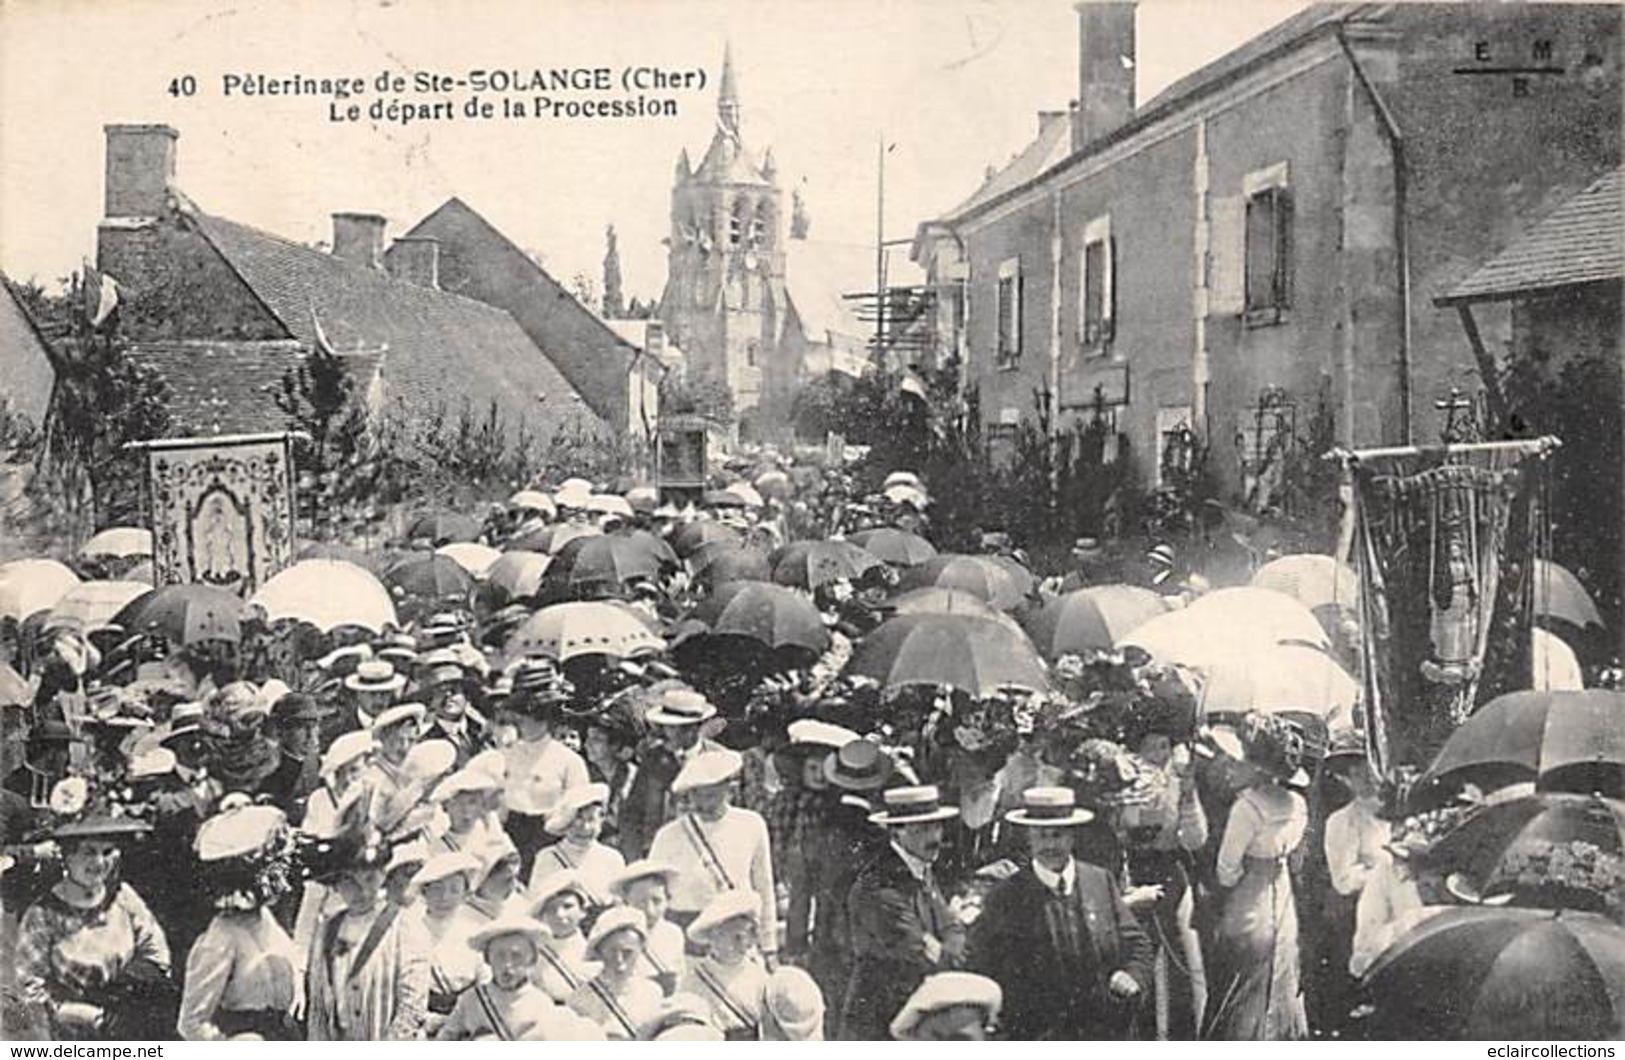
(859, 765)
(463, 780)
(404, 712)
(507, 925)
(619, 918)
(97, 825)
(680, 706)
(150, 764)
(644, 869)
(913, 805)
(501, 848)
(344, 750)
(706, 769)
(537, 681)
(945, 990)
(681, 1018)
(398, 649)
(549, 887)
(1086, 544)
(795, 1003)
(407, 855)
(375, 675)
(492, 762)
(572, 802)
(811, 736)
(345, 660)
(1049, 808)
(430, 760)
(443, 866)
(723, 907)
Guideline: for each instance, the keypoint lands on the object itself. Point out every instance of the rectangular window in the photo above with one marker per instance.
(1268, 236)
(1009, 339)
(1096, 294)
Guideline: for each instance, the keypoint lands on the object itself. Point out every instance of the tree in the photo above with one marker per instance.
(614, 307)
(700, 395)
(800, 222)
(585, 290)
(319, 397)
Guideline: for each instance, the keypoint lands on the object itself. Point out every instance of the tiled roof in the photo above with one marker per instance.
(25, 360)
(440, 348)
(1053, 143)
(1582, 241)
(224, 387)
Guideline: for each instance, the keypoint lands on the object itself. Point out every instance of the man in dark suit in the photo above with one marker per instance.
(902, 929)
(1058, 937)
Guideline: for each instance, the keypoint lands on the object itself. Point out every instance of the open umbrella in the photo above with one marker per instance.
(552, 539)
(190, 614)
(688, 538)
(656, 546)
(771, 615)
(1282, 679)
(119, 542)
(610, 504)
(596, 566)
(1482, 847)
(1554, 665)
(533, 501)
(473, 557)
(897, 547)
(334, 550)
(1483, 973)
(427, 577)
(564, 631)
(809, 564)
(977, 575)
(29, 586)
(93, 604)
(1312, 580)
(730, 561)
(442, 528)
(1026, 583)
(1564, 741)
(1559, 594)
(1267, 613)
(517, 574)
(937, 600)
(1092, 619)
(327, 594)
(975, 655)
(142, 572)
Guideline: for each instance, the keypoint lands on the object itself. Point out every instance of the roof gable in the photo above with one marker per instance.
(1582, 241)
(25, 358)
(442, 348)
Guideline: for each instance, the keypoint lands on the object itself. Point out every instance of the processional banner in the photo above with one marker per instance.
(1444, 543)
(222, 510)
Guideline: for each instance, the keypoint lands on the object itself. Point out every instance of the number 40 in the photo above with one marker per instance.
(183, 86)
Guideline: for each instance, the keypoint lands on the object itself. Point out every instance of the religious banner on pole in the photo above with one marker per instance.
(1444, 542)
(222, 509)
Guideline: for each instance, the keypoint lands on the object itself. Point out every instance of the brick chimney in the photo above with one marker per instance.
(415, 259)
(140, 167)
(359, 239)
(1105, 69)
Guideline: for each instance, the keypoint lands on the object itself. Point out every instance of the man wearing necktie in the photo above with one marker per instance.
(902, 929)
(1057, 936)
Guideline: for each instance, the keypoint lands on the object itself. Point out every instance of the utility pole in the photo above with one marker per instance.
(880, 252)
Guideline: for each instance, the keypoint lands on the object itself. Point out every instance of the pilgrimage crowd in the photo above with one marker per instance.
(683, 786)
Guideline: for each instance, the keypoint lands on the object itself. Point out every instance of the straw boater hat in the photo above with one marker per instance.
(549, 887)
(946, 990)
(572, 802)
(811, 736)
(620, 918)
(388, 719)
(707, 769)
(344, 750)
(916, 805)
(795, 1004)
(859, 765)
(398, 649)
(441, 667)
(680, 706)
(504, 926)
(642, 870)
(375, 675)
(1049, 808)
(444, 866)
(725, 906)
(464, 780)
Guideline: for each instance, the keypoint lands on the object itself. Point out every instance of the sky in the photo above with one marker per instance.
(953, 85)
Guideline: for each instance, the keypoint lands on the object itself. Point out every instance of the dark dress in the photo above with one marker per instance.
(1054, 956)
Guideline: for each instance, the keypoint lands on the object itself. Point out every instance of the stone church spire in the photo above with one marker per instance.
(728, 94)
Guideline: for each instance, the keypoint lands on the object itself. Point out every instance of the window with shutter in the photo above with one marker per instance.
(1009, 314)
